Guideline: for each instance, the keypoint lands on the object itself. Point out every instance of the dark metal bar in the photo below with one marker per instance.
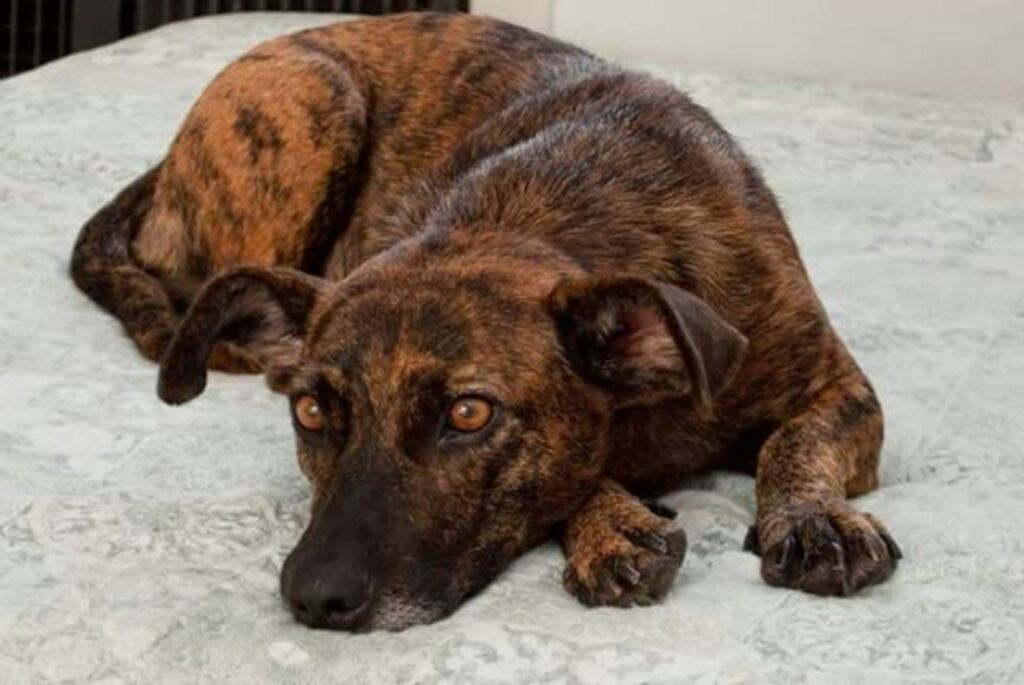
(13, 47)
(94, 22)
(37, 41)
(62, 27)
(41, 30)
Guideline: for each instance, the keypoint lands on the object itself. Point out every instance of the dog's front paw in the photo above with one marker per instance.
(627, 562)
(826, 548)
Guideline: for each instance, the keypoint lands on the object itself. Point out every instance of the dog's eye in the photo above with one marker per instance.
(308, 413)
(470, 414)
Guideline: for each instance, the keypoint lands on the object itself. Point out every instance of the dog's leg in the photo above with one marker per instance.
(104, 268)
(618, 551)
(808, 536)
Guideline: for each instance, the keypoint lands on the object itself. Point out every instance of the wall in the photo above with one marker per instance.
(959, 48)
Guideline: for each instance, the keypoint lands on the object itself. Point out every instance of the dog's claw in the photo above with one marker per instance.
(662, 510)
(652, 541)
(894, 550)
(784, 552)
(839, 568)
(837, 555)
(751, 543)
(628, 572)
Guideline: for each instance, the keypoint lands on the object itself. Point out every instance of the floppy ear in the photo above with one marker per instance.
(264, 311)
(645, 341)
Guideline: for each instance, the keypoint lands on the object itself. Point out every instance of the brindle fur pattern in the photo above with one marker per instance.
(388, 213)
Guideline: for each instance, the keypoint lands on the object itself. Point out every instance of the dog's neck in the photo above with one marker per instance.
(521, 206)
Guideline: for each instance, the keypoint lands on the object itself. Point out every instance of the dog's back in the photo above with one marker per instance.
(294, 150)
(320, 149)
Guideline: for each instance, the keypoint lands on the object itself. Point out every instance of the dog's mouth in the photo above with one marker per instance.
(394, 613)
(389, 611)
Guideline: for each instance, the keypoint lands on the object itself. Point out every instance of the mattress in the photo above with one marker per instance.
(142, 543)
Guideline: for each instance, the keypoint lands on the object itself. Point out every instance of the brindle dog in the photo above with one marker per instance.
(509, 288)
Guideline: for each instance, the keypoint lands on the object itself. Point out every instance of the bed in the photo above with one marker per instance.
(142, 543)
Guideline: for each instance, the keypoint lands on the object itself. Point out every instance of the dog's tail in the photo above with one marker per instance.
(104, 268)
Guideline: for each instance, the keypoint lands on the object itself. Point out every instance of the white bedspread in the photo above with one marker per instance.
(141, 543)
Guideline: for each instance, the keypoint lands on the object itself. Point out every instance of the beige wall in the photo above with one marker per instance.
(960, 48)
(535, 14)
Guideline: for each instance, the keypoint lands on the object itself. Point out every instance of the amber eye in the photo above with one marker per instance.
(308, 413)
(469, 414)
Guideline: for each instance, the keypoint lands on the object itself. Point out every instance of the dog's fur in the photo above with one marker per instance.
(388, 213)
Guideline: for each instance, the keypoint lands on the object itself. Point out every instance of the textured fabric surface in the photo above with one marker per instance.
(141, 543)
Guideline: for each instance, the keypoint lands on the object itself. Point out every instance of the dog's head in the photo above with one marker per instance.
(448, 413)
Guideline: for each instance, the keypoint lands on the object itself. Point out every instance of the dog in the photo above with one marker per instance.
(510, 289)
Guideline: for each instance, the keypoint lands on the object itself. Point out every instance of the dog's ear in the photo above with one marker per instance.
(644, 341)
(262, 311)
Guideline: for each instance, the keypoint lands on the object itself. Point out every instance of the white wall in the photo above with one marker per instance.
(960, 48)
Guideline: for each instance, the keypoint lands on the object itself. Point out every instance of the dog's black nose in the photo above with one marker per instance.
(326, 596)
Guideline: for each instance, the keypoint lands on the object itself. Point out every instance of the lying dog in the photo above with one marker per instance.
(509, 288)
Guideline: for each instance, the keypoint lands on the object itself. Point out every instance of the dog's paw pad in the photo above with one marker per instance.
(824, 549)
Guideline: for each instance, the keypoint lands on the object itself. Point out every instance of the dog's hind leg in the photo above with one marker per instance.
(263, 172)
(104, 268)
(808, 535)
